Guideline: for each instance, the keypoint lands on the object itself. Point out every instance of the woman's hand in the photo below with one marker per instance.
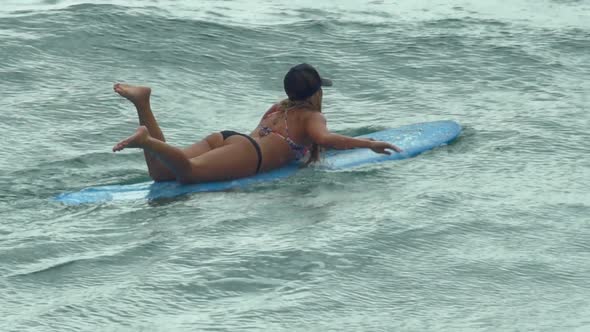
(380, 147)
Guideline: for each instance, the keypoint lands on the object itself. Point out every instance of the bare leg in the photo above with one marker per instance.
(140, 97)
(234, 160)
(175, 159)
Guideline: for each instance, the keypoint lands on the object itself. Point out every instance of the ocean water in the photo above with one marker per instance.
(490, 233)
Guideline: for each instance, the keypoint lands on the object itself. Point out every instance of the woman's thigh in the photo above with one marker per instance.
(237, 158)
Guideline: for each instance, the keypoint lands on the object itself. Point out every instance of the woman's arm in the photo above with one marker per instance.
(319, 133)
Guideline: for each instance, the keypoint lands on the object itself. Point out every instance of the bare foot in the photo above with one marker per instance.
(135, 94)
(136, 140)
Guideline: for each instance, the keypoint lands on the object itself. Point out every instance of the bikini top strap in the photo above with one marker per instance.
(286, 125)
(272, 110)
(276, 108)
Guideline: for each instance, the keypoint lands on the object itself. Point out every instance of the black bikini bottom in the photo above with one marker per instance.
(229, 133)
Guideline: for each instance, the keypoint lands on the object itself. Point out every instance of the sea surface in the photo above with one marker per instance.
(490, 233)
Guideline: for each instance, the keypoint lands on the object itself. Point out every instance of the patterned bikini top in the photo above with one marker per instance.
(299, 150)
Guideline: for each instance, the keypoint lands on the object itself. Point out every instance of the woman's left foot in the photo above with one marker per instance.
(135, 94)
(136, 140)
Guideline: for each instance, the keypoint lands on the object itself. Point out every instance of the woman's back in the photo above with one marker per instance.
(282, 134)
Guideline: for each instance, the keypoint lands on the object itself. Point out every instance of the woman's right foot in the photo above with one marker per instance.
(135, 94)
(136, 140)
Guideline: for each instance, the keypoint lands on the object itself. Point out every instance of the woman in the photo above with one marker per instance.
(290, 130)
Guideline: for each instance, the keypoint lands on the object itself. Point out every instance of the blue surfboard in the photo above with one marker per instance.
(413, 139)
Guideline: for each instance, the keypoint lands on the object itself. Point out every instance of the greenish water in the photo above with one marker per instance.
(490, 233)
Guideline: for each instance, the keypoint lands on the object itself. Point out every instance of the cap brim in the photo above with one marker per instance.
(326, 82)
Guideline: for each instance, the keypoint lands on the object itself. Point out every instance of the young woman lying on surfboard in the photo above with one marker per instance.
(290, 130)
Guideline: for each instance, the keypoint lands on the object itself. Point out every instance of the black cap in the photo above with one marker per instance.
(302, 81)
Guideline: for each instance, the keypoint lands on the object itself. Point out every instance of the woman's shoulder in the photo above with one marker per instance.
(273, 108)
(315, 116)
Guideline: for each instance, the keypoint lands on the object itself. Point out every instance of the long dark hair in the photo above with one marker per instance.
(287, 104)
